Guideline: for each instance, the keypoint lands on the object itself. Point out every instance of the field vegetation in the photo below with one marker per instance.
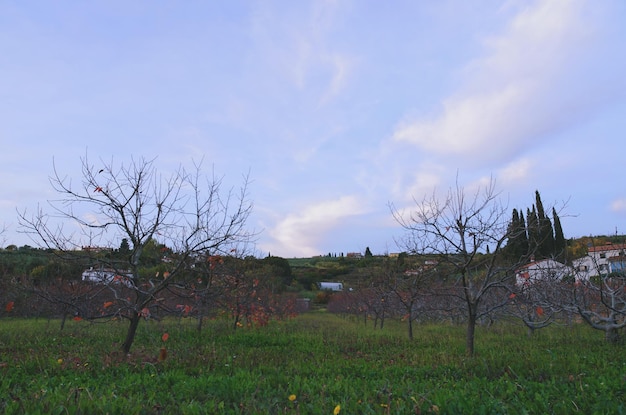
(316, 363)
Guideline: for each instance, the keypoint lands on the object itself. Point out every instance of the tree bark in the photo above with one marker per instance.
(130, 334)
(471, 329)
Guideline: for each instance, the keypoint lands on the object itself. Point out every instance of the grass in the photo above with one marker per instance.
(322, 359)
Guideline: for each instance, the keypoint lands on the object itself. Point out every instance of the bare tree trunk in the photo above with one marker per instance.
(410, 327)
(471, 329)
(200, 320)
(130, 334)
(611, 335)
(63, 319)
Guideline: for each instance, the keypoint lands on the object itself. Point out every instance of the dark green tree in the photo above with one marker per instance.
(532, 229)
(368, 253)
(124, 247)
(517, 244)
(560, 245)
(545, 248)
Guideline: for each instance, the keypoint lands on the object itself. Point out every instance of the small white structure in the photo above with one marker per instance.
(331, 286)
(106, 276)
(542, 270)
(601, 260)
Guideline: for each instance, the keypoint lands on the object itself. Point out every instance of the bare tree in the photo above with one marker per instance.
(601, 302)
(187, 211)
(467, 235)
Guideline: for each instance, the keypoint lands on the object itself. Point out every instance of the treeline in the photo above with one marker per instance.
(47, 283)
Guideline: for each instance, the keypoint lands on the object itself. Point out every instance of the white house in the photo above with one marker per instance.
(106, 276)
(331, 286)
(601, 260)
(542, 270)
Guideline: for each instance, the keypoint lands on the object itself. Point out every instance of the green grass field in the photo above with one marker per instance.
(315, 364)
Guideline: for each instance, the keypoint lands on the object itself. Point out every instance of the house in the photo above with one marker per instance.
(106, 276)
(331, 286)
(601, 260)
(542, 270)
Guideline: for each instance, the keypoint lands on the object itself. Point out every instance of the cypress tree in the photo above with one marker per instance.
(524, 246)
(532, 228)
(545, 247)
(517, 242)
(560, 244)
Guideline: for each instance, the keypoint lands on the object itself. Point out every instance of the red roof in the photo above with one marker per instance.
(607, 247)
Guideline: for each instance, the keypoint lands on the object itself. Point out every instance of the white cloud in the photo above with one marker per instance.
(516, 171)
(619, 205)
(511, 95)
(299, 233)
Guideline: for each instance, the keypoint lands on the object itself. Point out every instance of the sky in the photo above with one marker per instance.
(335, 108)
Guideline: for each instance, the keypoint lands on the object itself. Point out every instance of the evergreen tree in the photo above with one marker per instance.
(124, 246)
(532, 228)
(545, 247)
(524, 246)
(368, 253)
(513, 245)
(518, 241)
(560, 244)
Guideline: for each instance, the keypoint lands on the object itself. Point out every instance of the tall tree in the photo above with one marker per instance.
(517, 244)
(456, 230)
(532, 228)
(524, 246)
(545, 231)
(560, 245)
(188, 211)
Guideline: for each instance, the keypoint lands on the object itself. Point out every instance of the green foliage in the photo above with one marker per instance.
(320, 358)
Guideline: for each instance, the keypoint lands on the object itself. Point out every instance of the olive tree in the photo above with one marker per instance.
(467, 234)
(188, 211)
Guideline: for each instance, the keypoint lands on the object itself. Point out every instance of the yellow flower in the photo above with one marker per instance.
(59, 361)
(292, 397)
(337, 410)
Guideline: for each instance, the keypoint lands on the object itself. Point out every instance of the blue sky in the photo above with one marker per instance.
(336, 108)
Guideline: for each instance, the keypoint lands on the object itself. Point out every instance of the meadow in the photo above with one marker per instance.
(316, 363)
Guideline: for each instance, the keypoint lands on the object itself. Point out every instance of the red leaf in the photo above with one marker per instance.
(9, 306)
(165, 336)
(539, 311)
(108, 304)
(78, 318)
(97, 189)
(512, 296)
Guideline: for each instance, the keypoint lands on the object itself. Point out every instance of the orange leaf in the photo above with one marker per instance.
(78, 318)
(512, 296)
(108, 304)
(162, 354)
(9, 306)
(539, 311)
(165, 336)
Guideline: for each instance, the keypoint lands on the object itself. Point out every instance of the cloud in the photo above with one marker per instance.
(518, 170)
(511, 97)
(619, 205)
(298, 233)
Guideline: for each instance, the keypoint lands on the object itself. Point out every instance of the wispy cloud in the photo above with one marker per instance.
(619, 206)
(299, 233)
(511, 95)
